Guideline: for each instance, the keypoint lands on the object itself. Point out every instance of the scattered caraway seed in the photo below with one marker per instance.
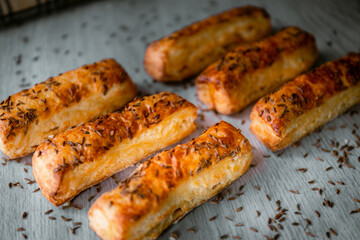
(328, 234)
(66, 219)
(355, 211)
(257, 188)
(239, 225)
(229, 218)
(241, 188)
(303, 170)
(191, 230)
(212, 218)
(317, 213)
(356, 200)
(328, 169)
(258, 213)
(281, 153)
(236, 237)
(332, 231)
(294, 191)
(52, 218)
(48, 212)
(77, 223)
(331, 182)
(272, 228)
(174, 235)
(268, 197)
(337, 191)
(36, 190)
(239, 209)
(73, 230)
(341, 183)
(310, 234)
(20, 229)
(24, 215)
(24, 236)
(66, 207)
(253, 229)
(224, 236)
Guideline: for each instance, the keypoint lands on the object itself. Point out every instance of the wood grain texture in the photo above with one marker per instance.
(46, 46)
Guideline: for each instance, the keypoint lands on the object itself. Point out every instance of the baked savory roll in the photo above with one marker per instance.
(71, 98)
(83, 156)
(249, 72)
(163, 189)
(186, 52)
(306, 103)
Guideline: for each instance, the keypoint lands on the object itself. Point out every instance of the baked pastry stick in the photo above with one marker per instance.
(165, 188)
(83, 156)
(251, 71)
(74, 97)
(307, 102)
(188, 51)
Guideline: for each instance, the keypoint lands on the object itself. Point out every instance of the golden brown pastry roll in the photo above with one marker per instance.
(74, 97)
(163, 189)
(188, 51)
(307, 102)
(249, 72)
(83, 156)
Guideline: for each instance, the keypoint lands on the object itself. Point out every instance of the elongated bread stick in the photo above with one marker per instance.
(188, 51)
(306, 103)
(163, 189)
(78, 158)
(249, 72)
(71, 98)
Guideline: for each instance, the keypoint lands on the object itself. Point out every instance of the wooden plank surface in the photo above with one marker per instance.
(46, 46)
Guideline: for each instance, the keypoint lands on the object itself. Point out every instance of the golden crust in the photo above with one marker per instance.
(83, 156)
(307, 102)
(163, 189)
(186, 52)
(71, 98)
(251, 71)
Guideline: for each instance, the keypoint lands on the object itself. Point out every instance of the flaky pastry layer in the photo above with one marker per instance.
(307, 102)
(28, 117)
(251, 71)
(163, 189)
(78, 158)
(188, 51)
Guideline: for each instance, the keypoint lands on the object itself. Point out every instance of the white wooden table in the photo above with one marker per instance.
(62, 41)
